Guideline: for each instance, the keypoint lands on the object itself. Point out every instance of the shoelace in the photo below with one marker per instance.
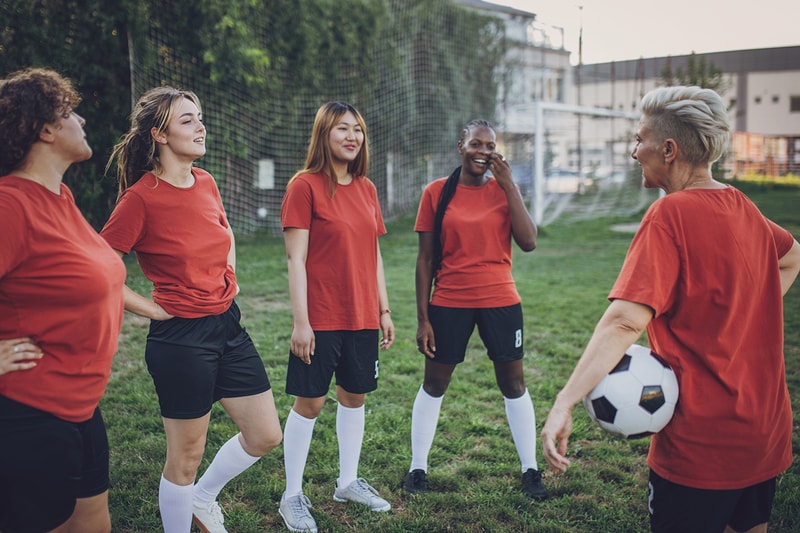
(216, 512)
(362, 486)
(300, 506)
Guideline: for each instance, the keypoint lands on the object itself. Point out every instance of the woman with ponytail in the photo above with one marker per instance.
(170, 213)
(463, 278)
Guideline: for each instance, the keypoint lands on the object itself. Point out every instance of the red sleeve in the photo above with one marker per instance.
(651, 269)
(223, 217)
(783, 239)
(379, 224)
(126, 224)
(297, 204)
(426, 213)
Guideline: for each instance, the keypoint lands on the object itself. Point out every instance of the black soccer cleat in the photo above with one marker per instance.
(532, 485)
(416, 481)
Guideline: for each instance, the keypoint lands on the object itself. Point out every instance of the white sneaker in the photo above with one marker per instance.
(360, 491)
(296, 514)
(208, 517)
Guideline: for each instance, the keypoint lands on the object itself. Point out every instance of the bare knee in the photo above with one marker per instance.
(181, 466)
(512, 389)
(435, 387)
(261, 443)
(510, 378)
(437, 378)
(308, 407)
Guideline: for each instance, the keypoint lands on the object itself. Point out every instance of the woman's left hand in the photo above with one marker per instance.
(18, 354)
(387, 329)
(501, 170)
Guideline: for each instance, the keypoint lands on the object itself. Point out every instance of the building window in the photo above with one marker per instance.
(775, 98)
(758, 99)
(731, 103)
(794, 104)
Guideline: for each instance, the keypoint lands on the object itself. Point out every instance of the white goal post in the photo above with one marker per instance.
(562, 122)
(538, 189)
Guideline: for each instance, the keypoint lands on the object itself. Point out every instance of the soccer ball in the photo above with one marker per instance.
(637, 398)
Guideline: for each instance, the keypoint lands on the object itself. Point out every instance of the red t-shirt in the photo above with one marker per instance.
(706, 261)
(476, 246)
(342, 259)
(181, 240)
(61, 285)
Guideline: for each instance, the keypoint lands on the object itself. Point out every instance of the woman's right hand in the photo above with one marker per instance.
(18, 354)
(303, 343)
(426, 343)
(159, 313)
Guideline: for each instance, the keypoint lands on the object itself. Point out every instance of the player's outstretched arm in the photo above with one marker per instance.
(620, 326)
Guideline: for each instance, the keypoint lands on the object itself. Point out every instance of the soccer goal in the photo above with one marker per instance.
(573, 162)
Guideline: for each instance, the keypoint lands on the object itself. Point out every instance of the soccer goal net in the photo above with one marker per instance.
(573, 163)
(404, 65)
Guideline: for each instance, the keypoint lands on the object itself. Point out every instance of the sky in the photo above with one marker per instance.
(616, 30)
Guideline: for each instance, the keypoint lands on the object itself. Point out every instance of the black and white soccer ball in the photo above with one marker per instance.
(637, 398)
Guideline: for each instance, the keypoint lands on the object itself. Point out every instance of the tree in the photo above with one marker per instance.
(85, 41)
(700, 71)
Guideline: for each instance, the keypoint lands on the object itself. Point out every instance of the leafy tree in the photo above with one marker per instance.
(700, 71)
(276, 60)
(87, 42)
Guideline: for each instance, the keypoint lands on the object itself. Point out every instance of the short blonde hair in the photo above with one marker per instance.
(694, 117)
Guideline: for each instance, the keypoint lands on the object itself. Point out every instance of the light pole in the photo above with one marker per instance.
(578, 84)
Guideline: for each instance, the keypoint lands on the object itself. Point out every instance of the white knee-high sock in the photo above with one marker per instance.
(350, 434)
(424, 418)
(296, 442)
(230, 461)
(175, 504)
(522, 420)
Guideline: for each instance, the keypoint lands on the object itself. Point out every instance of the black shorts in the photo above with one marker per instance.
(500, 329)
(352, 356)
(676, 507)
(46, 463)
(196, 361)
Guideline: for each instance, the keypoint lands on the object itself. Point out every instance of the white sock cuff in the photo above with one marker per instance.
(300, 419)
(240, 455)
(350, 409)
(428, 397)
(525, 397)
(164, 481)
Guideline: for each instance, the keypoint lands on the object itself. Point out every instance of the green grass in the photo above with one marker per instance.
(474, 470)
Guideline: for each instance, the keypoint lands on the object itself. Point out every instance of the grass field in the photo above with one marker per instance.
(474, 473)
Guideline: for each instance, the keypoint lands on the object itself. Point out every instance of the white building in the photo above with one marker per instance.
(762, 90)
(536, 66)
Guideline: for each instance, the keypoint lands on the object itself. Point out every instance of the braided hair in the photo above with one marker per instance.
(448, 191)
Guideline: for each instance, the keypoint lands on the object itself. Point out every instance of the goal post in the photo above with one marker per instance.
(573, 162)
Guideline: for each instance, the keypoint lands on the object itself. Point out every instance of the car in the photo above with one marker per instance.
(561, 180)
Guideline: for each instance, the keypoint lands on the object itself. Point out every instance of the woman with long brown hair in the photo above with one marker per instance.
(331, 222)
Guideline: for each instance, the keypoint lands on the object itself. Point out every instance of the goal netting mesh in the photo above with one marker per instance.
(418, 72)
(573, 163)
